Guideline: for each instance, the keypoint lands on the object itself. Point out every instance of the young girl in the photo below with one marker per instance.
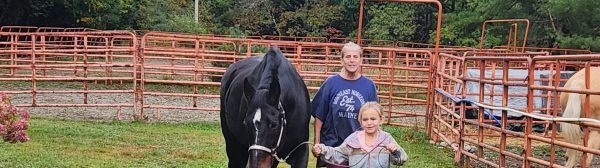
(369, 147)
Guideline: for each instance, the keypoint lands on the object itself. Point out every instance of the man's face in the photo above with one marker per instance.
(351, 61)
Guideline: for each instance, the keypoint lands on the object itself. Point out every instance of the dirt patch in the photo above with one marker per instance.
(540, 151)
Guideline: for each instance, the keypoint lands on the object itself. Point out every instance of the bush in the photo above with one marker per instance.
(580, 42)
(13, 121)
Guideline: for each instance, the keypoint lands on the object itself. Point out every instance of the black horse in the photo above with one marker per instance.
(264, 112)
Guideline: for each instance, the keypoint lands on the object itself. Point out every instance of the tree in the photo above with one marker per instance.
(255, 16)
(103, 14)
(390, 22)
(305, 22)
(35, 13)
(563, 23)
(577, 23)
(169, 15)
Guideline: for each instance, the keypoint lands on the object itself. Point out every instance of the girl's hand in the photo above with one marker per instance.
(316, 150)
(391, 147)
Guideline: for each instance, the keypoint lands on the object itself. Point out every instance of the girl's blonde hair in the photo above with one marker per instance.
(351, 46)
(370, 106)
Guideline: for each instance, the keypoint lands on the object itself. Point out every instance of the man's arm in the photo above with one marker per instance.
(317, 131)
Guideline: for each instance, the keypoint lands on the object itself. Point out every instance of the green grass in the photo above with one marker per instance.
(420, 152)
(61, 143)
(66, 143)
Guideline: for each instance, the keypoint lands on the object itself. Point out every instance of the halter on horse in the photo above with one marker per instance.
(264, 112)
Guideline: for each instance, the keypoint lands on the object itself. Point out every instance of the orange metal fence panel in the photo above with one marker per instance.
(71, 63)
(527, 82)
(104, 68)
(551, 51)
(21, 29)
(400, 74)
(513, 28)
(190, 66)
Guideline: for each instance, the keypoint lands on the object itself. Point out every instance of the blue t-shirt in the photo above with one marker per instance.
(337, 104)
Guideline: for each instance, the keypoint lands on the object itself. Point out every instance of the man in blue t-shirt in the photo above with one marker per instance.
(338, 101)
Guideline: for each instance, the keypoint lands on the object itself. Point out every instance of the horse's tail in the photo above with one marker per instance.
(572, 132)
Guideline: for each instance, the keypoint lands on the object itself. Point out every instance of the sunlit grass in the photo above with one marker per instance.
(66, 143)
(62, 143)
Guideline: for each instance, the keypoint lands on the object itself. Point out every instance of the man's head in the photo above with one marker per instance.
(351, 57)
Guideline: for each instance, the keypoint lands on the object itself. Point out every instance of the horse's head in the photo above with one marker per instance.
(265, 116)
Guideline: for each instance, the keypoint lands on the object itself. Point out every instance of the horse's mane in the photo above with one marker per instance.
(268, 68)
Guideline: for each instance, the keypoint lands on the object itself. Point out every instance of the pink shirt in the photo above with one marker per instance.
(360, 143)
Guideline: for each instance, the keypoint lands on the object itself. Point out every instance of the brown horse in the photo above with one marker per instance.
(572, 106)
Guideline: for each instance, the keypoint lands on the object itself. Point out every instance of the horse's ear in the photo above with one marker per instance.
(274, 91)
(249, 91)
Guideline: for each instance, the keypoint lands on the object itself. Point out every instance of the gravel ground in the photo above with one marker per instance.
(126, 113)
(166, 115)
(106, 113)
(515, 145)
(408, 120)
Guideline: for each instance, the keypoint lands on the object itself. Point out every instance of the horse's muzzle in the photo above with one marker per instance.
(259, 159)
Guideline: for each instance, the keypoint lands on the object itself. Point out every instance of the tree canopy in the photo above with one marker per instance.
(554, 23)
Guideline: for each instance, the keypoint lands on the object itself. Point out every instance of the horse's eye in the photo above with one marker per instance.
(272, 125)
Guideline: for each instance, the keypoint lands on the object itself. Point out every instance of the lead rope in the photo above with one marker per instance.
(369, 152)
(289, 154)
(308, 142)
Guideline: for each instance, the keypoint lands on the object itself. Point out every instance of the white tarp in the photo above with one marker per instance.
(513, 102)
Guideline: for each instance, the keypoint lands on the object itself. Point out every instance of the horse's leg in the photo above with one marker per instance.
(572, 157)
(238, 157)
(594, 143)
(237, 154)
(572, 109)
(299, 158)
